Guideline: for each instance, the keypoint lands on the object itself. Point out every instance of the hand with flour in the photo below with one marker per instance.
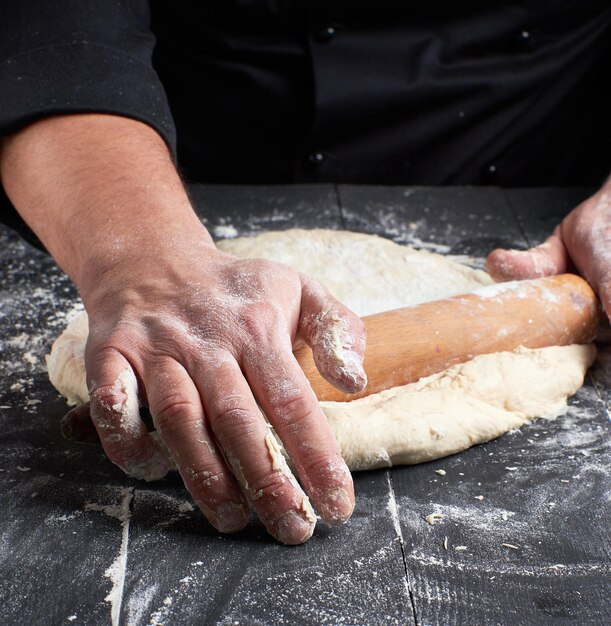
(581, 243)
(198, 336)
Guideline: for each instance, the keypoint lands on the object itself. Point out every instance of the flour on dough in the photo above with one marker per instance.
(369, 274)
(439, 415)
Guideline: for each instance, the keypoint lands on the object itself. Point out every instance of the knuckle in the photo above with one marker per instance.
(272, 490)
(110, 338)
(129, 454)
(203, 482)
(170, 409)
(165, 328)
(124, 451)
(234, 421)
(332, 320)
(103, 404)
(259, 319)
(261, 271)
(103, 397)
(294, 411)
(327, 468)
(99, 348)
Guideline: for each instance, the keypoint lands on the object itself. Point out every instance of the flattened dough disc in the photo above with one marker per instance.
(439, 415)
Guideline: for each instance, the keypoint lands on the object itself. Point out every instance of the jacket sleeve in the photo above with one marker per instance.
(75, 56)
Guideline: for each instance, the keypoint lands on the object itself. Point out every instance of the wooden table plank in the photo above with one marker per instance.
(232, 211)
(558, 571)
(53, 551)
(181, 572)
(449, 220)
(539, 211)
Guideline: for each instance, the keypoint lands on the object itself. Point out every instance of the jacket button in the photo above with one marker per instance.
(316, 158)
(326, 34)
(490, 173)
(524, 39)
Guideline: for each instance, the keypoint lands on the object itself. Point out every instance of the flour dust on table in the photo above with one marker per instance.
(442, 414)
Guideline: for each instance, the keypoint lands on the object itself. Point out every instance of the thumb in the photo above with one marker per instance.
(336, 336)
(546, 259)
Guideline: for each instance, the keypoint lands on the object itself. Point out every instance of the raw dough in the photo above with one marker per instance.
(440, 415)
(367, 273)
(466, 404)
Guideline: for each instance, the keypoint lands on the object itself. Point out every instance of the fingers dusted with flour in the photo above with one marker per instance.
(251, 365)
(115, 411)
(178, 416)
(291, 406)
(581, 243)
(252, 452)
(336, 336)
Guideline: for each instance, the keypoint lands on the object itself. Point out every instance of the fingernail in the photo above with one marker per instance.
(231, 517)
(336, 507)
(346, 372)
(292, 529)
(355, 377)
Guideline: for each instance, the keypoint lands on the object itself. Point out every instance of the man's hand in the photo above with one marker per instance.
(581, 243)
(200, 337)
(209, 337)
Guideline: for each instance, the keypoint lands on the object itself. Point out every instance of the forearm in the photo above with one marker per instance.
(97, 190)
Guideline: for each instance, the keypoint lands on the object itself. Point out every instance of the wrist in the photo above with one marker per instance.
(136, 250)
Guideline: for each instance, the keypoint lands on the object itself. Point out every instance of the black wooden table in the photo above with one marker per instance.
(525, 538)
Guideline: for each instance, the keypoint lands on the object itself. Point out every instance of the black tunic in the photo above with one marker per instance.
(390, 92)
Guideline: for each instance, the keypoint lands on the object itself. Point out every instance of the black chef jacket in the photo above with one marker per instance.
(270, 91)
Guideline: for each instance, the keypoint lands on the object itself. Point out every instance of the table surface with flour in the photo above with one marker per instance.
(523, 533)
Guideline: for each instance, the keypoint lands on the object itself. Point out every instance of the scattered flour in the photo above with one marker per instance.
(116, 571)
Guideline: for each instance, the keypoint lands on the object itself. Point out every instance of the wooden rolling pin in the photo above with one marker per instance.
(407, 344)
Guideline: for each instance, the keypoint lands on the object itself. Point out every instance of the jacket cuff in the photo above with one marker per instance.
(82, 78)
